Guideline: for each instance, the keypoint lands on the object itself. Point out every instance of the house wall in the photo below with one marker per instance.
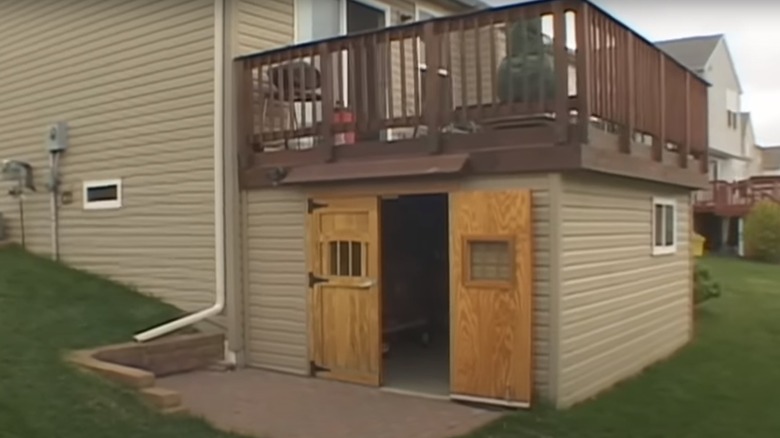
(770, 160)
(275, 265)
(321, 19)
(263, 25)
(729, 169)
(723, 95)
(134, 80)
(757, 160)
(621, 308)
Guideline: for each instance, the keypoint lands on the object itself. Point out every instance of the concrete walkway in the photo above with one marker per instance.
(266, 404)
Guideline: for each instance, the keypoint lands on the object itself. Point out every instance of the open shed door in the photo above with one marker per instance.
(345, 304)
(492, 296)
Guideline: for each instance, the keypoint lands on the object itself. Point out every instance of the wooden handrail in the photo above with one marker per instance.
(489, 68)
(738, 197)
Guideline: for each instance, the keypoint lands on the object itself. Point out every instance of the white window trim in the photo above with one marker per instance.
(102, 205)
(664, 250)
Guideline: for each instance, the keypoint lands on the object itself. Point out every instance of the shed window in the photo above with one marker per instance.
(347, 259)
(489, 260)
(102, 195)
(664, 226)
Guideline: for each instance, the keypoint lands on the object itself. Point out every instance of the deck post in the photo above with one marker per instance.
(582, 29)
(561, 61)
(741, 236)
(433, 99)
(724, 234)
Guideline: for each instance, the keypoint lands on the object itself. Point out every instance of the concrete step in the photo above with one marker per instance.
(161, 398)
(126, 376)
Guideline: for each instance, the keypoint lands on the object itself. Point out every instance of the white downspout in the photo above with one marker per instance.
(219, 190)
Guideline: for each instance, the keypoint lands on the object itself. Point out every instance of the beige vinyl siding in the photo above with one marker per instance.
(275, 301)
(477, 51)
(134, 81)
(275, 279)
(275, 262)
(622, 308)
(264, 24)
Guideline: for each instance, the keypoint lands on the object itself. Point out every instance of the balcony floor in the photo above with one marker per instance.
(530, 149)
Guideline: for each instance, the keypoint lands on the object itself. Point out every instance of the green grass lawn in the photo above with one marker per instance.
(725, 384)
(45, 310)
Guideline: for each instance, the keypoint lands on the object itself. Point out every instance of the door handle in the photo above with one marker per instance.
(366, 284)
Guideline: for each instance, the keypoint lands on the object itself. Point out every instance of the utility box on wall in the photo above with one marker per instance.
(57, 137)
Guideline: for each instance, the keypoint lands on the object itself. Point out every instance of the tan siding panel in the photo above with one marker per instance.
(134, 81)
(264, 24)
(621, 308)
(275, 252)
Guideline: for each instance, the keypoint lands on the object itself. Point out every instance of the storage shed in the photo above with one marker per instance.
(549, 283)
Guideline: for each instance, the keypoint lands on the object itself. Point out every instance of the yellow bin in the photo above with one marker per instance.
(698, 244)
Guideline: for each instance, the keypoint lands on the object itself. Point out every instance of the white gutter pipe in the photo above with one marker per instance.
(219, 190)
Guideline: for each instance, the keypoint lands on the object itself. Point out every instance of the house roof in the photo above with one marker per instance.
(694, 52)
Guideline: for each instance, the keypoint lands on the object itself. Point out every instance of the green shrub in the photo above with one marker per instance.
(705, 287)
(762, 232)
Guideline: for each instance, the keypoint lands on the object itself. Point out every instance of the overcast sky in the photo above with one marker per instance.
(752, 32)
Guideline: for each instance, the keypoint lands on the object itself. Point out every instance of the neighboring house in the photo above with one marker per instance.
(769, 162)
(720, 209)
(709, 56)
(287, 193)
(750, 150)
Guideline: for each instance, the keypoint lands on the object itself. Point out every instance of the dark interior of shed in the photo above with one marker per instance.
(415, 293)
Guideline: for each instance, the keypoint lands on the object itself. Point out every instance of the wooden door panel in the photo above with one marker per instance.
(345, 300)
(492, 291)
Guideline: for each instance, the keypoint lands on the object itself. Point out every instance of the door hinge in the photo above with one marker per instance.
(313, 205)
(314, 368)
(314, 280)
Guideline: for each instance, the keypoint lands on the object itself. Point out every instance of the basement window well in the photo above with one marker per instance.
(102, 195)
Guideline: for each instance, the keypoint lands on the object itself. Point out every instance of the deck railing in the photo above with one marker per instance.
(736, 198)
(561, 62)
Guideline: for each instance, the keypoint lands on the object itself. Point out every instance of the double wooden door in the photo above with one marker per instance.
(491, 288)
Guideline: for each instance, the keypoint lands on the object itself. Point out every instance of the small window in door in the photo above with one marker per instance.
(346, 259)
(489, 261)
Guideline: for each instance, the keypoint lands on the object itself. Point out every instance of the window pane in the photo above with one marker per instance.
(346, 259)
(103, 193)
(356, 256)
(658, 233)
(490, 261)
(669, 225)
(344, 262)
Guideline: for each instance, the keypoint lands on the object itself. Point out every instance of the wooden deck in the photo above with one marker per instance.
(735, 199)
(441, 87)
